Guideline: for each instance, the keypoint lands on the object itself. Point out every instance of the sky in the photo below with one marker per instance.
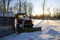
(37, 5)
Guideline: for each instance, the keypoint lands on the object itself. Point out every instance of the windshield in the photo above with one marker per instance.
(21, 16)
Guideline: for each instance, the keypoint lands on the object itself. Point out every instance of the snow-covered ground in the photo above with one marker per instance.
(50, 31)
(37, 23)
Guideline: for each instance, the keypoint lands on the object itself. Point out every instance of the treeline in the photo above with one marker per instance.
(46, 17)
(55, 15)
(41, 17)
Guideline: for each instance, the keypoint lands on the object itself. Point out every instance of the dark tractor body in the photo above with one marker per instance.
(23, 23)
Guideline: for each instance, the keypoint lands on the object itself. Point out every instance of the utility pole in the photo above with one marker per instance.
(20, 5)
(43, 8)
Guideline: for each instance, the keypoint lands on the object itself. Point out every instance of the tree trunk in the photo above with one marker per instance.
(3, 7)
(8, 5)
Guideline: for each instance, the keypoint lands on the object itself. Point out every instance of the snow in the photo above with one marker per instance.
(26, 18)
(9, 14)
(53, 32)
(37, 23)
(31, 36)
(20, 13)
(22, 36)
(45, 36)
(49, 32)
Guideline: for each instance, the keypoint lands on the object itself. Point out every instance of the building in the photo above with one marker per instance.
(7, 23)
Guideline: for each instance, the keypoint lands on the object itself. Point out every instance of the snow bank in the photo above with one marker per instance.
(9, 14)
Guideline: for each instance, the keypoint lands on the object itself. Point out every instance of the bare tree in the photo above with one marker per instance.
(8, 3)
(0, 5)
(5, 3)
(56, 13)
(20, 5)
(25, 7)
(30, 8)
(48, 9)
(15, 8)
